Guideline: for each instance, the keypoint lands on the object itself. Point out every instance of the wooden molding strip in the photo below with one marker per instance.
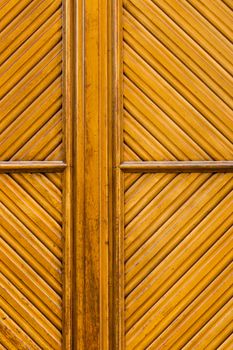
(177, 166)
(92, 168)
(32, 166)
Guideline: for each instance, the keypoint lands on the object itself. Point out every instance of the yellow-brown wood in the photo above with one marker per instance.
(31, 282)
(116, 174)
(31, 87)
(36, 143)
(92, 174)
(169, 239)
(173, 110)
(174, 147)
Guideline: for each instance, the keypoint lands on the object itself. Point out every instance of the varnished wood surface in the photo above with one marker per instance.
(31, 253)
(31, 166)
(31, 82)
(178, 249)
(174, 166)
(116, 174)
(173, 126)
(36, 174)
(177, 80)
(93, 169)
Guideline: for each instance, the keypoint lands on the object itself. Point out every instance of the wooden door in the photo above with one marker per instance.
(35, 178)
(116, 174)
(174, 151)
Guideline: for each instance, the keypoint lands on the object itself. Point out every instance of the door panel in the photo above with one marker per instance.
(177, 84)
(31, 82)
(31, 252)
(173, 211)
(116, 174)
(178, 244)
(35, 174)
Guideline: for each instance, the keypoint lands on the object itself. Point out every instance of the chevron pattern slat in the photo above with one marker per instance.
(177, 72)
(30, 80)
(178, 254)
(31, 254)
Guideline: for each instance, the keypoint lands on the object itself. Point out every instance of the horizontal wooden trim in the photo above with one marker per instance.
(32, 166)
(177, 166)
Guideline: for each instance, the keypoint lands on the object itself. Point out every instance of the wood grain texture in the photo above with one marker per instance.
(176, 166)
(31, 85)
(177, 80)
(31, 166)
(173, 144)
(93, 168)
(178, 253)
(68, 180)
(31, 254)
(116, 174)
(36, 159)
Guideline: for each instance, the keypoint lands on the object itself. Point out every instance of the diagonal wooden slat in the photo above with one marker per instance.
(228, 3)
(178, 108)
(57, 153)
(166, 274)
(50, 310)
(181, 45)
(44, 108)
(178, 114)
(25, 57)
(35, 254)
(215, 331)
(163, 276)
(12, 336)
(55, 179)
(147, 189)
(150, 251)
(31, 280)
(130, 179)
(41, 145)
(200, 29)
(182, 293)
(48, 225)
(14, 103)
(144, 110)
(172, 72)
(162, 207)
(129, 153)
(168, 66)
(203, 308)
(27, 311)
(192, 211)
(26, 23)
(227, 344)
(10, 10)
(218, 14)
(24, 325)
(30, 80)
(143, 148)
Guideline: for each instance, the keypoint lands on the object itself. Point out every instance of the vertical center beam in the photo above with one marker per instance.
(92, 170)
